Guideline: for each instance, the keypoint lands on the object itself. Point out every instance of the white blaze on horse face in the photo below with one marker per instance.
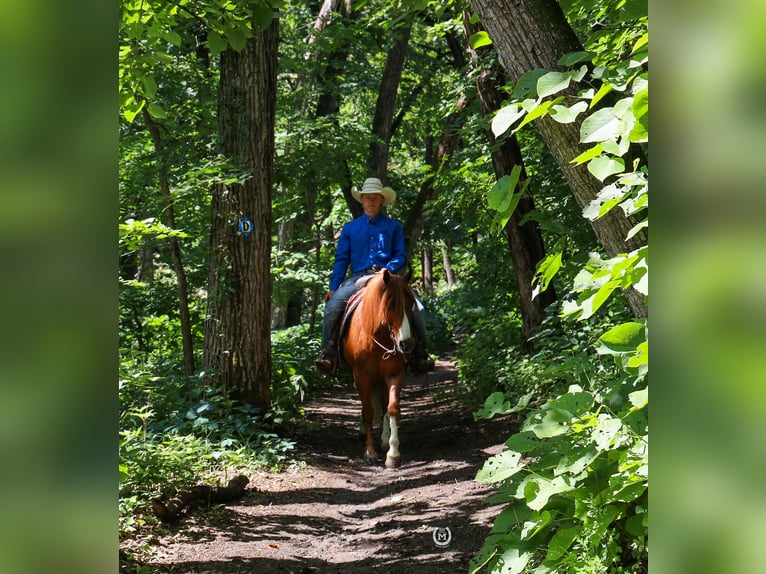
(405, 333)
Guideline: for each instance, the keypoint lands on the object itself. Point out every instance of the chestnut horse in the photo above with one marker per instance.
(379, 335)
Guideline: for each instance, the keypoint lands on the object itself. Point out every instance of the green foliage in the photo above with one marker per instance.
(575, 478)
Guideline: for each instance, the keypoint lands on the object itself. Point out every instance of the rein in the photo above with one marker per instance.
(388, 352)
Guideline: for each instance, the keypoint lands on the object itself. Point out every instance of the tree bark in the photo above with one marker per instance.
(175, 249)
(525, 242)
(532, 34)
(237, 335)
(382, 123)
(447, 262)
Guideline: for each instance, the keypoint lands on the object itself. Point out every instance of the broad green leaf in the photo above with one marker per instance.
(546, 270)
(480, 39)
(560, 542)
(603, 166)
(533, 527)
(496, 403)
(636, 228)
(538, 490)
(500, 467)
(262, 16)
(174, 38)
(623, 338)
(640, 131)
(527, 83)
(522, 442)
(505, 118)
(574, 462)
(156, 111)
(555, 422)
(640, 43)
(605, 432)
(514, 561)
(607, 198)
(552, 83)
(599, 126)
(566, 115)
(588, 154)
(216, 42)
(602, 91)
(538, 111)
(639, 399)
(236, 36)
(501, 195)
(132, 109)
(575, 58)
(150, 86)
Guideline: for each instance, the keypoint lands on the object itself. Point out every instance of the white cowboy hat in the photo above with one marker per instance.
(374, 185)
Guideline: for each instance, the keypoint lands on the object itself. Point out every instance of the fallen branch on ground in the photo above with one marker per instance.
(171, 510)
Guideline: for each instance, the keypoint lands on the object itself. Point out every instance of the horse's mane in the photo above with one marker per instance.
(383, 302)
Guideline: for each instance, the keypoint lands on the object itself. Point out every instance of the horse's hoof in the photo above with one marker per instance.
(393, 462)
(370, 459)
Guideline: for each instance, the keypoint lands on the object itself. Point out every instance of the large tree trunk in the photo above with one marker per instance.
(531, 34)
(525, 242)
(175, 249)
(382, 123)
(237, 334)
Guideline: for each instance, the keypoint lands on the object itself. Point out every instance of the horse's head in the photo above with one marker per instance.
(396, 302)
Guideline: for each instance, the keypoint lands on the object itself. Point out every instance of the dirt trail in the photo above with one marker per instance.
(338, 514)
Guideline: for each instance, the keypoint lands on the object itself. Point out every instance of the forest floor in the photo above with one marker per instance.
(335, 514)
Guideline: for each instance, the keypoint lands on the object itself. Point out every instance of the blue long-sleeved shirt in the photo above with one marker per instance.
(365, 242)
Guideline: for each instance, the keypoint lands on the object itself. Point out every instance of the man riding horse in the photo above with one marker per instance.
(368, 243)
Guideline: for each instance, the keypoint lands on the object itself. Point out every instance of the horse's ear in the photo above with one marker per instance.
(386, 275)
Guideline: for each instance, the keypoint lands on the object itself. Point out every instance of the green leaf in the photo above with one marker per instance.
(527, 83)
(546, 270)
(588, 154)
(496, 403)
(262, 16)
(156, 111)
(215, 42)
(538, 490)
(603, 166)
(552, 83)
(602, 91)
(623, 338)
(554, 423)
(500, 467)
(505, 118)
(500, 195)
(605, 432)
(639, 399)
(566, 115)
(514, 560)
(539, 110)
(575, 58)
(599, 126)
(560, 542)
(480, 39)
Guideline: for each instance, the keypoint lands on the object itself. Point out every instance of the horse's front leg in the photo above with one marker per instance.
(370, 454)
(391, 421)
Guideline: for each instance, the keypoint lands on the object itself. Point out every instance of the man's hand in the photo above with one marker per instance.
(328, 295)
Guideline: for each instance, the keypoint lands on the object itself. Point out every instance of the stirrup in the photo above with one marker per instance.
(326, 364)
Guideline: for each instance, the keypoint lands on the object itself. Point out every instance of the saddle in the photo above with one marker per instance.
(345, 320)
